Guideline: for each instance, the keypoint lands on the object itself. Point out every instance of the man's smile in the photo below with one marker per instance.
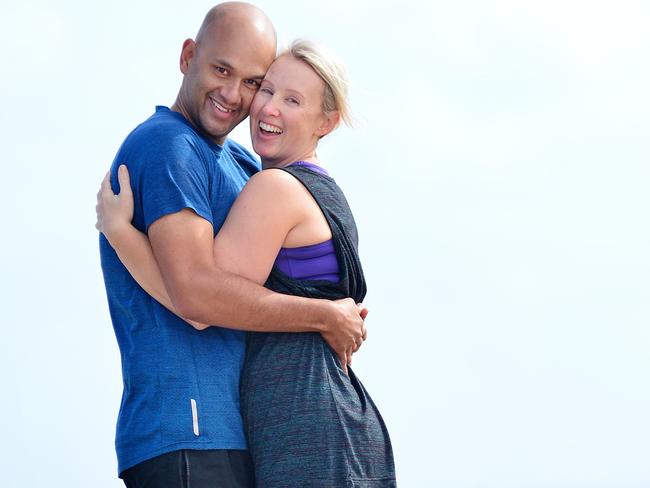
(220, 107)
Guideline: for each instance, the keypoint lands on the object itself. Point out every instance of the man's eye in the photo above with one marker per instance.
(221, 70)
(253, 84)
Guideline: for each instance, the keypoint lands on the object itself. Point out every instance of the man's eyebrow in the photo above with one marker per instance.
(224, 63)
(229, 66)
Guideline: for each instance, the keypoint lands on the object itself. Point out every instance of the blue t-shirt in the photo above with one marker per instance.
(181, 386)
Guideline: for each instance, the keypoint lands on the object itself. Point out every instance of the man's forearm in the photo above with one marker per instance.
(228, 300)
(221, 298)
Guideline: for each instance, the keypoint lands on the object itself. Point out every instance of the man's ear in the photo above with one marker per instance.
(187, 53)
(330, 122)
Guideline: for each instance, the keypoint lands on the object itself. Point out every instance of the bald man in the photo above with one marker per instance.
(179, 423)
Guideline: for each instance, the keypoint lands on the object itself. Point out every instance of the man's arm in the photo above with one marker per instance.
(196, 288)
(209, 291)
(201, 291)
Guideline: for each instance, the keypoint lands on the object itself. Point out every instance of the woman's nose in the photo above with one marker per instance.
(271, 108)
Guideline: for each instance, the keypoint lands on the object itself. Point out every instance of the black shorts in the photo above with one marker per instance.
(193, 469)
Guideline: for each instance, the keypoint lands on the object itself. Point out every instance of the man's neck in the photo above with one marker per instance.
(178, 107)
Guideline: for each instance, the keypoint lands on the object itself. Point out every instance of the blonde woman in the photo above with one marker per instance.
(308, 422)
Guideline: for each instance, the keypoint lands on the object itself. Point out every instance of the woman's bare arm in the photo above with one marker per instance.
(273, 209)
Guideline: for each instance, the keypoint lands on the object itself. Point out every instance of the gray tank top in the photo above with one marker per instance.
(307, 422)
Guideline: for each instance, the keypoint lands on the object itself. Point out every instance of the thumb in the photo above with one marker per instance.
(106, 183)
(105, 190)
(124, 179)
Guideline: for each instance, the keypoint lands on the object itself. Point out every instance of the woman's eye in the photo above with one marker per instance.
(293, 100)
(266, 90)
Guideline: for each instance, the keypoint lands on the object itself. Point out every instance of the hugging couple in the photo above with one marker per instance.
(235, 290)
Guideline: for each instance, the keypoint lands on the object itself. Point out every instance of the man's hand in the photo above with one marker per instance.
(346, 330)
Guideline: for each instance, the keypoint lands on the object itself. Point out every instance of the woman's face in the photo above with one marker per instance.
(286, 114)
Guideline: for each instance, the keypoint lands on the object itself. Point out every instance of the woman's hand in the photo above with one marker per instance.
(114, 211)
(346, 330)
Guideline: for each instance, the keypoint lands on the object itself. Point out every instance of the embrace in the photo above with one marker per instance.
(235, 294)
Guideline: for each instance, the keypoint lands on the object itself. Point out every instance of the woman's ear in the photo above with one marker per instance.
(330, 122)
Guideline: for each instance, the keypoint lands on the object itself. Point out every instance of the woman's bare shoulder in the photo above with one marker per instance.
(274, 184)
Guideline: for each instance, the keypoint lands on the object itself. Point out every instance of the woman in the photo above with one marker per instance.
(307, 422)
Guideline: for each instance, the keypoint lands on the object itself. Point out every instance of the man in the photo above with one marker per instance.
(179, 422)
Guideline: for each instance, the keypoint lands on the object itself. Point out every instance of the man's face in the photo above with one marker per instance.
(222, 73)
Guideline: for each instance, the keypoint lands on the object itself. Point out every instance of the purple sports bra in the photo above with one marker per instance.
(314, 262)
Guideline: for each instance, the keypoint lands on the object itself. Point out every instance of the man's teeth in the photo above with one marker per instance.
(270, 128)
(221, 108)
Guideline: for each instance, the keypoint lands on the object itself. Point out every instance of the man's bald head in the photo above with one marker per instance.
(237, 16)
(224, 66)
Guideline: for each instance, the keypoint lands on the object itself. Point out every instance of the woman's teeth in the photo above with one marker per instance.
(270, 128)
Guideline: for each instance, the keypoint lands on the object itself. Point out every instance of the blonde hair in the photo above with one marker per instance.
(331, 71)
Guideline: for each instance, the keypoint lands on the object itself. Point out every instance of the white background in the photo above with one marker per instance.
(499, 175)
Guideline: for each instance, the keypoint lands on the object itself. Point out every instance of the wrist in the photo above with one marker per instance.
(114, 231)
(325, 311)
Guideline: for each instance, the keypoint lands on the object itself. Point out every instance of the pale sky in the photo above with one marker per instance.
(498, 172)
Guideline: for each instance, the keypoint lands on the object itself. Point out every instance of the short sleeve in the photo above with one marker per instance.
(169, 175)
(175, 180)
(245, 159)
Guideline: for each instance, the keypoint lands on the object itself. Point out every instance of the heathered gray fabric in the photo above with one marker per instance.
(308, 424)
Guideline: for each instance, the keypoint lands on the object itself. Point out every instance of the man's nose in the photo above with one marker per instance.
(231, 92)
